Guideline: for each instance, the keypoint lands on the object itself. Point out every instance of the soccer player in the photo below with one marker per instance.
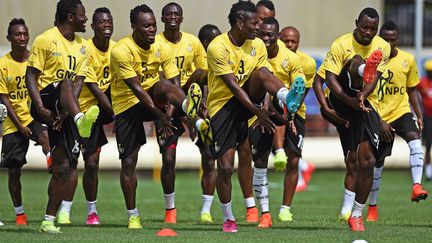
(208, 179)
(138, 90)
(286, 66)
(190, 60)
(396, 91)
(238, 79)
(95, 91)
(425, 89)
(342, 125)
(265, 8)
(291, 37)
(55, 71)
(350, 97)
(19, 126)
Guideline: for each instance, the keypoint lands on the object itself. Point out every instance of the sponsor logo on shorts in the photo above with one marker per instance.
(216, 147)
(120, 148)
(76, 147)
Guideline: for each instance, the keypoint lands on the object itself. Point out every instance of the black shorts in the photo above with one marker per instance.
(68, 137)
(295, 142)
(403, 125)
(130, 133)
(15, 146)
(96, 140)
(364, 126)
(165, 143)
(229, 126)
(261, 143)
(427, 131)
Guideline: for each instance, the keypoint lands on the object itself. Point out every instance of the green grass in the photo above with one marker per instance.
(315, 212)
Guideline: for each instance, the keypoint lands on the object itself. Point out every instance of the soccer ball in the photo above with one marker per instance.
(359, 241)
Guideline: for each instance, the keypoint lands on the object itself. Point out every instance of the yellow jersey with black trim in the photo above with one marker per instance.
(98, 72)
(223, 57)
(189, 55)
(128, 60)
(391, 90)
(346, 47)
(309, 69)
(58, 58)
(12, 83)
(286, 66)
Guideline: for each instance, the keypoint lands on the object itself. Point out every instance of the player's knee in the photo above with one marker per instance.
(226, 171)
(61, 172)
(128, 167)
(91, 167)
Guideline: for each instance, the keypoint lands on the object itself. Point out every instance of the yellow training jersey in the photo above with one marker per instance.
(346, 47)
(58, 58)
(98, 72)
(128, 60)
(12, 83)
(286, 66)
(189, 54)
(224, 58)
(309, 68)
(391, 90)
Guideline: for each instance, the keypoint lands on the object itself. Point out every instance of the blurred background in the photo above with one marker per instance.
(319, 23)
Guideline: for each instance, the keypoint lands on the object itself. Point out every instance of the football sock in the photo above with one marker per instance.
(373, 196)
(169, 201)
(19, 210)
(260, 186)
(281, 94)
(416, 160)
(91, 207)
(133, 212)
(49, 218)
(282, 207)
(78, 116)
(66, 206)
(227, 212)
(207, 202)
(348, 202)
(357, 210)
(249, 202)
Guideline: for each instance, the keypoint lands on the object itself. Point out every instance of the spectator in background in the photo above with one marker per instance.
(425, 89)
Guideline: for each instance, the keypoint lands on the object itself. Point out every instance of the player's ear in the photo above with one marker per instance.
(70, 17)
(92, 26)
(133, 26)
(356, 22)
(8, 37)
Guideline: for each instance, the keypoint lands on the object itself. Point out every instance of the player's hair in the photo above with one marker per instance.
(15, 21)
(370, 12)
(65, 7)
(389, 25)
(239, 9)
(266, 3)
(272, 21)
(172, 4)
(138, 9)
(206, 30)
(100, 10)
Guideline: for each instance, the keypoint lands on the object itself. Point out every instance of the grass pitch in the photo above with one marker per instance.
(315, 212)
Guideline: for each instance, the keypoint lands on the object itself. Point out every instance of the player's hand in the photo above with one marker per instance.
(387, 132)
(26, 132)
(332, 116)
(48, 116)
(420, 124)
(361, 99)
(264, 121)
(167, 128)
(293, 127)
(57, 125)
